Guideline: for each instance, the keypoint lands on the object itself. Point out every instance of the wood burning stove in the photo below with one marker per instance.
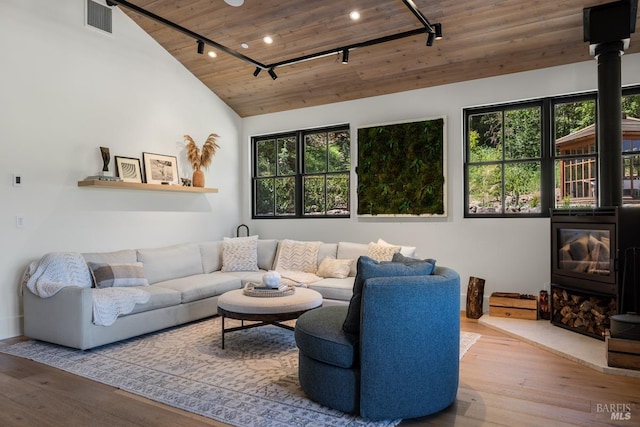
(587, 267)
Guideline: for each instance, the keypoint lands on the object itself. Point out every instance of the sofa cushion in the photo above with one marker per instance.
(171, 262)
(369, 268)
(334, 289)
(399, 257)
(382, 252)
(295, 255)
(240, 253)
(328, 250)
(409, 251)
(319, 335)
(159, 297)
(107, 275)
(267, 249)
(201, 286)
(348, 250)
(123, 256)
(333, 267)
(247, 276)
(211, 253)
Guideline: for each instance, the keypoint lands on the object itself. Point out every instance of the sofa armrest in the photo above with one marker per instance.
(409, 344)
(62, 319)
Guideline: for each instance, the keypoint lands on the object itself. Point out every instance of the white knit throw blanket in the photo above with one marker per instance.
(109, 303)
(298, 261)
(57, 270)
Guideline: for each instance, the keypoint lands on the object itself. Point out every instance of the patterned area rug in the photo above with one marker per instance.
(252, 382)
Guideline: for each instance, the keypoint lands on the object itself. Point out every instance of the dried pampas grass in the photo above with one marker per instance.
(203, 158)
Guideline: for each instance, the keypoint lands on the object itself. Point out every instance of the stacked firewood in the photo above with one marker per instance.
(588, 313)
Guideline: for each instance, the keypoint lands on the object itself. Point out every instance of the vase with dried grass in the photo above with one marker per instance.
(200, 158)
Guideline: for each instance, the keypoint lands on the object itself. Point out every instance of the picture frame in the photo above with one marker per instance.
(128, 169)
(160, 169)
(401, 169)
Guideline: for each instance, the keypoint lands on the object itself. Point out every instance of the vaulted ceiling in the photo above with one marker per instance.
(482, 38)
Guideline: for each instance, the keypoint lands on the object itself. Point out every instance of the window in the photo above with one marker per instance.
(523, 158)
(575, 154)
(302, 174)
(504, 160)
(631, 149)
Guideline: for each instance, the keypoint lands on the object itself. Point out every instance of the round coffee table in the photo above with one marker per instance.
(266, 310)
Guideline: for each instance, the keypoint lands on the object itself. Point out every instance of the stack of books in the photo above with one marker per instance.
(263, 287)
(103, 178)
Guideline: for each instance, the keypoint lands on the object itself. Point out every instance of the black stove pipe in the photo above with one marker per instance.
(609, 123)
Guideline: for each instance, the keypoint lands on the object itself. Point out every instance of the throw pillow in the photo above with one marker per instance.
(382, 252)
(398, 257)
(336, 268)
(118, 275)
(369, 268)
(240, 253)
(297, 256)
(409, 251)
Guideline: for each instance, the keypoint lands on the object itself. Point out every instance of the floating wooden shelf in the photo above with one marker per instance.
(139, 186)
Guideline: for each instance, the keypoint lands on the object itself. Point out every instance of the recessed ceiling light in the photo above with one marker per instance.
(234, 3)
(244, 46)
(212, 54)
(354, 15)
(267, 40)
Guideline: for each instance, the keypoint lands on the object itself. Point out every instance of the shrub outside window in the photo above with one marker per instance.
(302, 174)
(504, 160)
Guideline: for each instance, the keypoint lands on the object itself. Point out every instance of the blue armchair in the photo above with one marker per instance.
(403, 362)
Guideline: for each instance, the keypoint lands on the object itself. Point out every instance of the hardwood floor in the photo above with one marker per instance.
(503, 382)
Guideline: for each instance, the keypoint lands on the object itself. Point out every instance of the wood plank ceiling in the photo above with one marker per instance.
(481, 39)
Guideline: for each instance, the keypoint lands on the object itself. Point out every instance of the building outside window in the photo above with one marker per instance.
(575, 154)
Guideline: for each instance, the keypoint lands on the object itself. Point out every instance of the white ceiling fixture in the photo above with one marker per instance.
(234, 3)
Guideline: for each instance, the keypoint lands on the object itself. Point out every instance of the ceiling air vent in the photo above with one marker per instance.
(99, 16)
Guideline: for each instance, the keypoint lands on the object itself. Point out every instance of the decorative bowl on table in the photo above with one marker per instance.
(271, 279)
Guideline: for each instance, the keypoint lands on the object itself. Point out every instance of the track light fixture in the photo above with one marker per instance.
(438, 28)
(430, 38)
(434, 32)
(345, 56)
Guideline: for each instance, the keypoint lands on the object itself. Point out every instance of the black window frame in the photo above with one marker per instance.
(300, 173)
(554, 101)
(548, 151)
(543, 159)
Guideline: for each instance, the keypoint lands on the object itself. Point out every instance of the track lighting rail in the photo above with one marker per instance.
(433, 32)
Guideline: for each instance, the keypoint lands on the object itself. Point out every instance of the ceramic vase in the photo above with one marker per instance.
(198, 178)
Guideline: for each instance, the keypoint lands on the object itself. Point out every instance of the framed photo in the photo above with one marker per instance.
(160, 169)
(128, 168)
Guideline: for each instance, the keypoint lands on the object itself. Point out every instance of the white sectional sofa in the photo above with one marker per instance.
(184, 283)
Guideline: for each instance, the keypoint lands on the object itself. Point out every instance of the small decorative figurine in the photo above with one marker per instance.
(106, 158)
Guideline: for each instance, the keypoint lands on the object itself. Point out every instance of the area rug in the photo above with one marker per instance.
(252, 382)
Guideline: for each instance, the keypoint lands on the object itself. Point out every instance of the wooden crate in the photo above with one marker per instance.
(514, 305)
(622, 353)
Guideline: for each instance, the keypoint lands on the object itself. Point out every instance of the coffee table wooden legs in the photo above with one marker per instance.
(252, 325)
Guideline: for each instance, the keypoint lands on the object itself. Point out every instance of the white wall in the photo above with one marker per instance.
(510, 254)
(67, 89)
